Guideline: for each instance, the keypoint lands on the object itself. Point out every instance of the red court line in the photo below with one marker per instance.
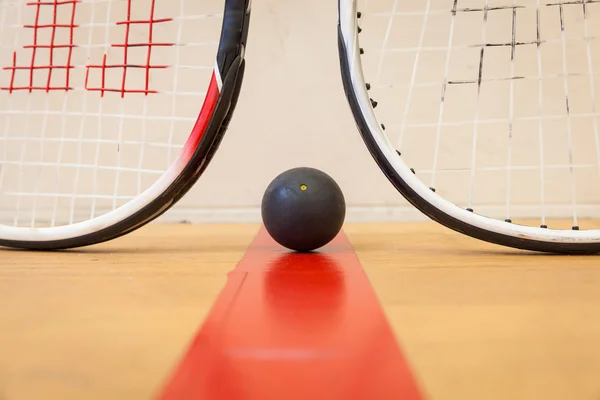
(291, 326)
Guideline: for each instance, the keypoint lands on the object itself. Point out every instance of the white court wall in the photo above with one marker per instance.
(292, 112)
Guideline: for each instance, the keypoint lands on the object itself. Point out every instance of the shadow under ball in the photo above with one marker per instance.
(303, 209)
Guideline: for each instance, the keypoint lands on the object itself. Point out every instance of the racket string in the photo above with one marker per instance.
(71, 157)
(550, 200)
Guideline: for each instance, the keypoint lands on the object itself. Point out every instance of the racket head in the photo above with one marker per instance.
(120, 141)
(362, 60)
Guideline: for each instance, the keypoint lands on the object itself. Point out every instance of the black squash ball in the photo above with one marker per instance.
(303, 209)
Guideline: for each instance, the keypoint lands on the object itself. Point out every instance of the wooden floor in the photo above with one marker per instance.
(475, 321)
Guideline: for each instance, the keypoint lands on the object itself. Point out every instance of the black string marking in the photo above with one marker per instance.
(513, 49)
(574, 2)
(560, 12)
(466, 82)
(514, 34)
(444, 91)
(489, 8)
(445, 83)
(455, 7)
(562, 29)
(480, 75)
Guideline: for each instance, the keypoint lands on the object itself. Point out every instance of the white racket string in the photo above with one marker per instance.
(492, 102)
(97, 100)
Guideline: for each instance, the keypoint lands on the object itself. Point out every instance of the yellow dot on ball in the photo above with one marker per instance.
(303, 187)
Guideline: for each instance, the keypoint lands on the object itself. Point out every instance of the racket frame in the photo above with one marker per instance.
(416, 192)
(202, 144)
